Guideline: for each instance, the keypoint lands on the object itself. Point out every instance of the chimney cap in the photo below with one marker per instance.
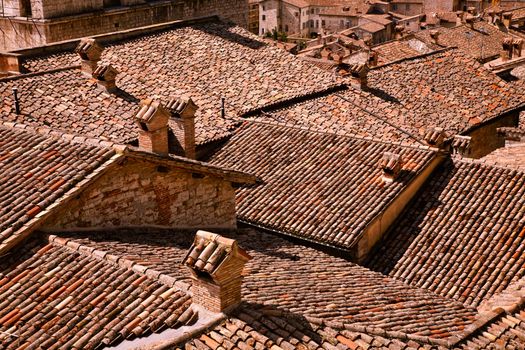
(105, 72)
(182, 107)
(461, 144)
(391, 164)
(152, 116)
(435, 136)
(210, 251)
(89, 49)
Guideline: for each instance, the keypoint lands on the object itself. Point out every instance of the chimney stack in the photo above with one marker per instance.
(391, 164)
(152, 120)
(434, 34)
(183, 116)
(461, 16)
(398, 31)
(461, 145)
(373, 58)
(507, 19)
(359, 72)
(435, 137)
(507, 49)
(470, 21)
(216, 265)
(90, 52)
(105, 76)
(518, 46)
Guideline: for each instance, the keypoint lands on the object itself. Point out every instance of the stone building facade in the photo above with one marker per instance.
(144, 193)
(28, 23)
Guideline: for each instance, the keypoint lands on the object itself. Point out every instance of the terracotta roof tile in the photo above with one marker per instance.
(303, 281)
(55, 297)
(322, 187)
(205, 61)
(400, 49)
(36, 170)
(446, 89)
(463, 237)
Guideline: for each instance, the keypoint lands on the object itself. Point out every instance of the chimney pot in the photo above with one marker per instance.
(434, 34)
(391, 164)
(435, 137)
(183, 127)
(216, 265)
(507, 49)
(90, 52)
(152, 120)
(461, 145)
(359, 72)
(105, 76)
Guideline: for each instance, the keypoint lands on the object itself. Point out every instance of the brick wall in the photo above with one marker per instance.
(485, 139)
(139, 193)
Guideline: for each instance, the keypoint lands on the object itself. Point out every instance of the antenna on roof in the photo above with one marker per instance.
(223, 109)
(17, 102)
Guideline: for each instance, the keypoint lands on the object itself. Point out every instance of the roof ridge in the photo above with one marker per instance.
(487, 163)
(424, 55)
(119, 261)
(313, 130)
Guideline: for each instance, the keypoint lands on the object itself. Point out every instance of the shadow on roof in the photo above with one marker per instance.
(224, 31)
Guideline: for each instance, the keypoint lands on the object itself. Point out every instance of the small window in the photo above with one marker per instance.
(262, 30)
(296, 14)
(316, 23)
(264, 17)
(286, 28)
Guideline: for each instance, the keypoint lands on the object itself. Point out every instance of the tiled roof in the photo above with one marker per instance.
(464, 235)
(58, 296)
(303, 281)
(36, 170)
(482, 42)
(446, 89)
(317, 186)
(266, 328)
(204, 61)
(400, 49)
(351, 112)
(512, 156)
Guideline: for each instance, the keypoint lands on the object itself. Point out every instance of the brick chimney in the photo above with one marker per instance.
(359, 72)
(434, 34)
(216, 265)
(435, 137)
(391, 164)
(398, 31)
(152, 120)
(373, 58)
(507, 49)
(470, 21)
(90, 52)
(105, 76)
(183, 126)
(460, 17)
(461, 145)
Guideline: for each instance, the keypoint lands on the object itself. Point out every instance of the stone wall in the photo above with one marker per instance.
(139, 193)
(88, 18)
(485, 139)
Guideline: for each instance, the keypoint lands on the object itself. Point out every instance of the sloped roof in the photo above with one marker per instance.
(321, 187)
(36, 170)
(353, 113)
(447, 89)
(463, 236)
(400, 49)
(482, 42)
(205, 61)
(59, 296)
(312, 285)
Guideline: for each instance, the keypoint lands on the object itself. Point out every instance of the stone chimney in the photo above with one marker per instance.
(216, 265)
(434, 34)
(373, 58)
(359, 72)
(435, 137)
(507, 49)
(398, 31)
(391, 164)
(183, 116)
(461, 145)
(152, 120)
(461, 16)
(470, 21)
(90, 52)
(105, 76)
(471, 10)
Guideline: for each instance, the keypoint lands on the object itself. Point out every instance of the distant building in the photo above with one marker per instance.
(27, 23)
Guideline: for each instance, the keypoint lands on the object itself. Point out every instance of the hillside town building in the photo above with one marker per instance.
(187, 185)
